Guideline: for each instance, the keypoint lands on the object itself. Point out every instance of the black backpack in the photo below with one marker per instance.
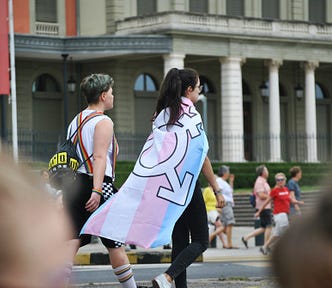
(64, 163)
(252, 199)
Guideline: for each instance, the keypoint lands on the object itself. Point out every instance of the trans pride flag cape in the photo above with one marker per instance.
(160, 187)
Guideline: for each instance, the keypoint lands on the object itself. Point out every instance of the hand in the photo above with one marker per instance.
(220, 201)
(257, 214)
(231, 178)
(93, 202)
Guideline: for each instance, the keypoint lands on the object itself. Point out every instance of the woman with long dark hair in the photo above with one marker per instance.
(181, 87)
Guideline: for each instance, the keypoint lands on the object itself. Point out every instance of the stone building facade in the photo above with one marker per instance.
(265, 66)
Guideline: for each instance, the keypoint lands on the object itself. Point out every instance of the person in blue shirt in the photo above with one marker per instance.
(294, 187)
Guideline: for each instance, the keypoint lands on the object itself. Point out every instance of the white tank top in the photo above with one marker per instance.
(87, 140)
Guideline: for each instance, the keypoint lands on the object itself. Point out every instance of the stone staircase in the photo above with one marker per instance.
(244, 212)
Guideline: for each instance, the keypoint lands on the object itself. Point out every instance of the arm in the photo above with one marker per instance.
(209, 175)
(101, 141)
(294, 201)
(231, 180)
(262, 195)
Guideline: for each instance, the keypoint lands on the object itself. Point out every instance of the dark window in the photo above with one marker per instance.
(319, 91)
(317, 10)
(270, 9)
(144, 82)
(235, 7)
(45, 83)
(145, 7)
(198, 6)
(245, 88)
(46, 11)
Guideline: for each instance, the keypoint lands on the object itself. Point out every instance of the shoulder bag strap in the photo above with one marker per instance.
(79, 140)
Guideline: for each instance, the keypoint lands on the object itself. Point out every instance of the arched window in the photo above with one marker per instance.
(198, 6)
(320, 92)
(207, 85)
(45, 83)
(144, 82)
(145, 94)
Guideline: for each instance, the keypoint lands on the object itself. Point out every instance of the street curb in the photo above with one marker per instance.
(134, 258)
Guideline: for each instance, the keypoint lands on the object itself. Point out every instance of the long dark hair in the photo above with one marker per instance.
(172, 88)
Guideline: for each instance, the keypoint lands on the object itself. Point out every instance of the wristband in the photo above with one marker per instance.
(219, 192)
(98, 191)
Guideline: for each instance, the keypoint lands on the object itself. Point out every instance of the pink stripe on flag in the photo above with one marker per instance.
(96, 223)
(156, 206)
(151, 210)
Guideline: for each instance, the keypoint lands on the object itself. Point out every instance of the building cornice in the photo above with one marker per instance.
(177, 22)
(89, 48)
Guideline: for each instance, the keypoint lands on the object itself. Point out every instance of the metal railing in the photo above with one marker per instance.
(40, 146)
(45, 28)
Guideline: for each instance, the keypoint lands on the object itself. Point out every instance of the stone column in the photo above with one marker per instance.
(310, 111)
(173, 61)
(232, 110)
(274, 111)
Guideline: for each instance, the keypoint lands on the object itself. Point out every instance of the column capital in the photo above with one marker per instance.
(273, 63)
(311, 65)
(224, 60)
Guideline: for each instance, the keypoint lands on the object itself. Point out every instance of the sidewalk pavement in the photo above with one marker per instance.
(96, 253)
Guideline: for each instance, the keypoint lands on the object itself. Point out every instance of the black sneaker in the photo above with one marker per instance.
(245, 242)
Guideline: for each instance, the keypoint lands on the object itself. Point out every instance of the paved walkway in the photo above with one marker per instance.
(97, 251)
(97, 254)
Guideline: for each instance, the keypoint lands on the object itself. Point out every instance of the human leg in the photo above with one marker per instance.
(220, 228)
(254, 233)
(121, 267)
(193, 219)
(229, 230)
(281, 224)
(228, 220)
(180, 240)
(217, 232)
(267, 234)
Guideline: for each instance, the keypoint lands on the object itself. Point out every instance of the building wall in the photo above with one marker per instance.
(21, 14)
(89, 24)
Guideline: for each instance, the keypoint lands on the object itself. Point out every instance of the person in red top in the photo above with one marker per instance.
(281, 197)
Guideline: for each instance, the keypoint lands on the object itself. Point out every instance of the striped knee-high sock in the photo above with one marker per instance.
(125, 276)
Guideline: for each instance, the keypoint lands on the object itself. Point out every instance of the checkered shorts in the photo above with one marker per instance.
(108, 190)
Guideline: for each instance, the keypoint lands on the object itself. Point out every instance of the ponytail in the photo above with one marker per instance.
(172, 88)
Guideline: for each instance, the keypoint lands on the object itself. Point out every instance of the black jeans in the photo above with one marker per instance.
(191, 225)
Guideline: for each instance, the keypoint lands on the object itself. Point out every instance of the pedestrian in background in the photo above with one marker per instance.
(294, 187)
(281, 198)
(225, 181)
(261, 190)
(213, 215)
